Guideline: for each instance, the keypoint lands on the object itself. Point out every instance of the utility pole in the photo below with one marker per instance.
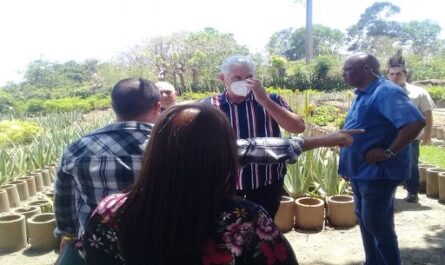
(309, 38)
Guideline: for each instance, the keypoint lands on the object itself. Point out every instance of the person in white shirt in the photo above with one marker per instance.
(397, 73)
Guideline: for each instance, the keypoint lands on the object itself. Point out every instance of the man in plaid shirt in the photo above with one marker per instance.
(107, 160)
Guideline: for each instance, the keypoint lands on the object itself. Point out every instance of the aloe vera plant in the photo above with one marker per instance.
(58, 131)
(315, 174)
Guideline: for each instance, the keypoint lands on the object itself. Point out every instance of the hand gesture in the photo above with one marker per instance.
(342, 138)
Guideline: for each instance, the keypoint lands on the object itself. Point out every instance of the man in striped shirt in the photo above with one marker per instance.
(255, 113)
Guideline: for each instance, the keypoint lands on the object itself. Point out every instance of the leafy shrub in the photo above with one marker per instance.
(280, 91)
(437, 93)
(323, 115)
(16, 131)
(194, 95)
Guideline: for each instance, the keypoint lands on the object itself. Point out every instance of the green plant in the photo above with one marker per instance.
(315, 174)
(17, 131)
(437, 93)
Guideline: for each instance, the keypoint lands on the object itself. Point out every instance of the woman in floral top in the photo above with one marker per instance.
(182, 210)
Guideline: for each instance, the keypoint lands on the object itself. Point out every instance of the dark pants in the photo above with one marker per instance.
(374, 207)
(412, 183)
(268, 197)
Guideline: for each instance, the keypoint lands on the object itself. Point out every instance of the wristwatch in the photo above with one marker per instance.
(388, 153)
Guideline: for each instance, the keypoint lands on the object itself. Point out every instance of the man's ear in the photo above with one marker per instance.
(221, 77)
(157, 107)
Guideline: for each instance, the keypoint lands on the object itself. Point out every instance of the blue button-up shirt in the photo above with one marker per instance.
(381, 109)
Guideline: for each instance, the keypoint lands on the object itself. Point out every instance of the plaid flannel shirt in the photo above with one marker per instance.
(104, 162)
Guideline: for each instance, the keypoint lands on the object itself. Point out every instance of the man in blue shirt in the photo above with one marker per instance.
(379, 160)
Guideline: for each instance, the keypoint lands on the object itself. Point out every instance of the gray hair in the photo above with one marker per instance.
(236, 60)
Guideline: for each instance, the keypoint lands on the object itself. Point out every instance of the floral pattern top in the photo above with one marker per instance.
(244, 234)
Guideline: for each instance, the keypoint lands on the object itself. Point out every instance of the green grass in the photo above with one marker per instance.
(433, 155)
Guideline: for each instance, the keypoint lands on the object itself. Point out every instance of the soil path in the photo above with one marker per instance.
(420, 228)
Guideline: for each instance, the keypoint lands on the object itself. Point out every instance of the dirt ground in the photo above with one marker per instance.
(420, 228)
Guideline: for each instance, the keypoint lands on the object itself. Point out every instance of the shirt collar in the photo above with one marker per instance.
(370, 87)
(127, 125)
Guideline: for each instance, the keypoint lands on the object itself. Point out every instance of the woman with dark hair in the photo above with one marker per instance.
(181, 210)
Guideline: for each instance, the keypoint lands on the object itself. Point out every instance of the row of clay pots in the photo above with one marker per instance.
(16, 229)
(432, 181)
(23, 188)
(308, 213)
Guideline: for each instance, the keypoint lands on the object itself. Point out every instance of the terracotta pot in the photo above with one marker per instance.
(28, 212)
(45, 205)
(340, 211)
(284, 218)
(41, 228)
(46, 177)
(39, 180)
(434, 131)
(309, 213)
(50, 194)
(440, 133)
(4, 201)
(31, 183)
(13, 195)
(12, 232)
(22, 188)
(432, 182)
(441, 180)
(52, 171)
(422, 178)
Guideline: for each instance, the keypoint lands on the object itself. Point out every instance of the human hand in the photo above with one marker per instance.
(66, 240)
(342, 138)
(375, 155)
(258, 90)
(426, 142)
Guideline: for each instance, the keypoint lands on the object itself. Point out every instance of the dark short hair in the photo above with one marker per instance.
(133, 97)
(190, 166)
(398, 61)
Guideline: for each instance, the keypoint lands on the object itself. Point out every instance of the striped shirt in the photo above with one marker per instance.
(104, 162)
(249, 120)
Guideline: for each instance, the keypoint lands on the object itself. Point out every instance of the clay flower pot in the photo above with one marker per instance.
(441, 180)
(341, 211)
(28, 212)
(4, 201)
(12, 232)
(45, 205)
(46, 177)
(13, 195)
(284, 219)
(39, 180)
(432, 182)
(31, 183)
(422, 178)
(52, 168)
(22, 188)
(309, 213)
(40, 230)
